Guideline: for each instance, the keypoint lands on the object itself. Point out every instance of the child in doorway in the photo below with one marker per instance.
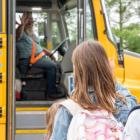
(94, 87)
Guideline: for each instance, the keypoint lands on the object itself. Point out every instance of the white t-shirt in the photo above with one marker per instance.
(132, 127)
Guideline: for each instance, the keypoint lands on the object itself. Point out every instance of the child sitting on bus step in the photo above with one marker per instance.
(28, 47)
(94, 87)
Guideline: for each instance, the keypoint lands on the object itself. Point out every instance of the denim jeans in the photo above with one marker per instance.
(24, 64)
(50, 69)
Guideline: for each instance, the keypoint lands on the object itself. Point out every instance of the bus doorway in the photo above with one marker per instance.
(56, 24)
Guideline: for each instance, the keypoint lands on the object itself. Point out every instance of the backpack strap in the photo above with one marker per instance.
(134, 108)
(72, 106)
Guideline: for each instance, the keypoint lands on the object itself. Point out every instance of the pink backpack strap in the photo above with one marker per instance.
(72, 106)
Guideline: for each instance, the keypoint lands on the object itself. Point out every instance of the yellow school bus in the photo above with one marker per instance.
(63, 22)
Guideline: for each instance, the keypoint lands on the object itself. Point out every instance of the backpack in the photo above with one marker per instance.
(91, 125)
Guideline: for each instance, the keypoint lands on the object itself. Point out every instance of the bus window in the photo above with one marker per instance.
(71, 22)
(38, 28)
(55, 34)
(90, 30)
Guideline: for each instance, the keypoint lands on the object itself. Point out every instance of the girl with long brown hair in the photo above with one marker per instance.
(94, 86)
(92, 71)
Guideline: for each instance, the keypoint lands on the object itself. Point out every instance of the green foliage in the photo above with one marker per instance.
(130, 36)
(71, 21)
(43, 43)
(123, 28)
(41, 28)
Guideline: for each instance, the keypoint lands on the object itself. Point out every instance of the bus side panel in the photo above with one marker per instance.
(3, 84)
(3, 73)
(132, 74)
(0, 16)
(109, 47)
(2, 131)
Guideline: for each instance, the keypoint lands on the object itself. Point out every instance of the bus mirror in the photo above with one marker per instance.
(119, 46)
(120, 53)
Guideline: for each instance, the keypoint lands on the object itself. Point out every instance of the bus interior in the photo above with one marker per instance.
(59, 29)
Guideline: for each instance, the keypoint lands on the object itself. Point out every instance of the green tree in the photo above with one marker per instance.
(125, 13)
(131, 37)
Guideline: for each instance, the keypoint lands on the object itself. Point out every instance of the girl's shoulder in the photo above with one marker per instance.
(61, 123)
(63, 116)
(63, 111)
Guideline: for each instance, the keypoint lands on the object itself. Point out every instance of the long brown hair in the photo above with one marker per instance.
(92, 69)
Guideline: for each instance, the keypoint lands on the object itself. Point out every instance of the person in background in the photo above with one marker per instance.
(50, 118)
(30, 52)
(132, 127)
(94, 87)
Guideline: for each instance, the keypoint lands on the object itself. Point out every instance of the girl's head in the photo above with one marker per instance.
(50, 117)
(92, 70)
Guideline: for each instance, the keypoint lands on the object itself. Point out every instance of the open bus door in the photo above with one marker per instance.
(57, 15)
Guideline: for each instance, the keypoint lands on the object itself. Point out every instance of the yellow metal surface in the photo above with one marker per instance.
(31, 109)
(132, 74)
(3, 16)
(129, 75)
(3, 63)
(31, 131)
(2, 132)
(3, 87)
(110, 48)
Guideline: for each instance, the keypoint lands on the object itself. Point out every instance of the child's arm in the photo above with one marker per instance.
(61, 124)
(123, 109)
(130, 99)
